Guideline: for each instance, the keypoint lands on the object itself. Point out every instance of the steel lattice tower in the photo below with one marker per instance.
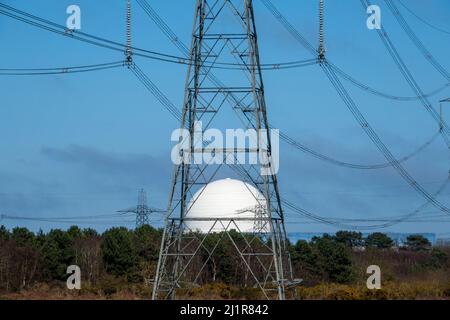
(224, 34)
(142, 210)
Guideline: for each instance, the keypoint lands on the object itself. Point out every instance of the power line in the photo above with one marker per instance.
(103, 219)
(152, 87)
(142, 210)
(154, 90)
(364, 229)
(112, 45)
(165, 101)
(423, 218)
(309, 47)
(349, 165)
(162, 25)
(302, 40)
(387, 222)
(404, 70)
(415, 39)
(128, 50)
(61, 219)
(95, 40)
(116, 46)
(171, 35)
(345, 223)
(351, 105)
(61, 70)
(423, 20)
(375, 92)
(397, 162)
(149, 84)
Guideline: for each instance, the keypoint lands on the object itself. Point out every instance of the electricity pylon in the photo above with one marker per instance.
(142, 210)
(223, 36)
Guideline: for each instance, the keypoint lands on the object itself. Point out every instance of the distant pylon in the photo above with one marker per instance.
(142, 210)
(224, 31)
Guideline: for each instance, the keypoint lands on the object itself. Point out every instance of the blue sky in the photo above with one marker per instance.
(76, 145)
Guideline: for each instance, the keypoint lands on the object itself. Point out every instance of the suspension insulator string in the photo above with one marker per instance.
(128, 51)
(321, 51)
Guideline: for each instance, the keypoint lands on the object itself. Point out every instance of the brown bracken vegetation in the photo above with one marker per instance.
(120, 264)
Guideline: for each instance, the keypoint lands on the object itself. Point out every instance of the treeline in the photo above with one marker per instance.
(344, 257)
(122, 257)
(27, 258)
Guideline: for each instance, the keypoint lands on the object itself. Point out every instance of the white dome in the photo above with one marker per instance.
(226, 198)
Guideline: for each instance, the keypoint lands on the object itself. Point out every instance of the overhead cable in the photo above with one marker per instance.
(60, 70)
(116, 46)
(309, 47)
(423, 20)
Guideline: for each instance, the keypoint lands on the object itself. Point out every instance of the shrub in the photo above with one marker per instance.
(417, 242)
(379, 240)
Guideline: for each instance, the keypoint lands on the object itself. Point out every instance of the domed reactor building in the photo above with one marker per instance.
(224, 89)
(230, 199)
